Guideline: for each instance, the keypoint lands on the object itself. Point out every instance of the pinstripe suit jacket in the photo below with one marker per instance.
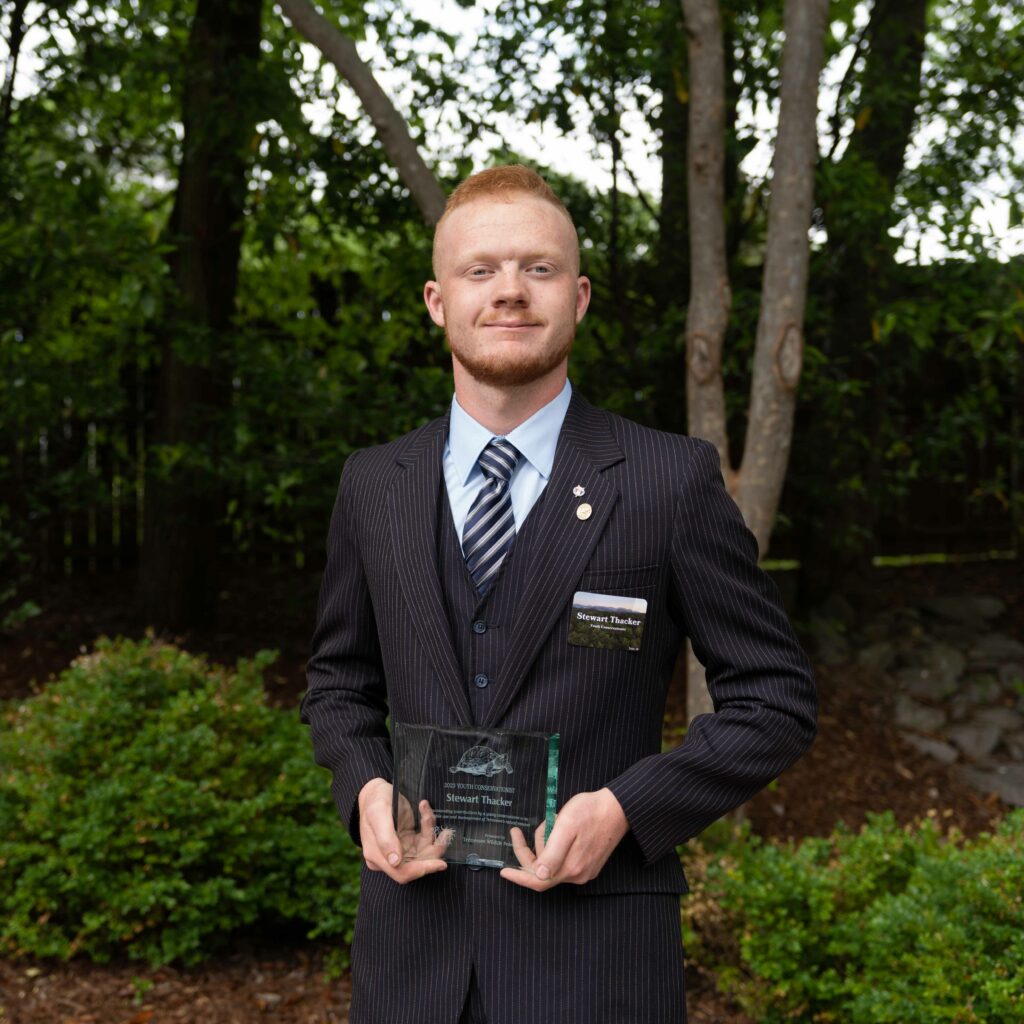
(663, 528)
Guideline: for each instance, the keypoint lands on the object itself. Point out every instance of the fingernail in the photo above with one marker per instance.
(394, 859)
(543, 872)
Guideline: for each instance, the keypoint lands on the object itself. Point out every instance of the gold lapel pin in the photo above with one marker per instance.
(584, 511)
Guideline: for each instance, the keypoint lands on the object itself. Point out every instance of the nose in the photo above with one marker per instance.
(510, 287)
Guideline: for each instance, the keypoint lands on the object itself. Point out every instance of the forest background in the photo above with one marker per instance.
(222, 322)
(212, 252)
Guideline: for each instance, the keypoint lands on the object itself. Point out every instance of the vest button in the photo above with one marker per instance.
(481, 680)
(479, 626)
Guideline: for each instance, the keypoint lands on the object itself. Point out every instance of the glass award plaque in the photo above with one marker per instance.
(477, 784)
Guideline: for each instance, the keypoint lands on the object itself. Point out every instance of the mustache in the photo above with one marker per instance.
(513, 321)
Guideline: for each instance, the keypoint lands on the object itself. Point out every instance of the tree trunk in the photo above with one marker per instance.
(391, 127)
(17, 37)
(710, 294)
(779, 347)
(861, 254)
(778, 354)
(182, 505)
(673, 259)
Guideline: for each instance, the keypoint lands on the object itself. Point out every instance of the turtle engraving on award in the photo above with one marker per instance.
(458, 791)
(482, 761)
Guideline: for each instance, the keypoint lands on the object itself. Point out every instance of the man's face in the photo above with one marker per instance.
(508, 292)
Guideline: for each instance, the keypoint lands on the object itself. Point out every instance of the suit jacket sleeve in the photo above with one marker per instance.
(758, 676)
(345, 702)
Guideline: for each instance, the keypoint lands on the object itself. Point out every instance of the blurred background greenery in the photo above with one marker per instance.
(210, 274)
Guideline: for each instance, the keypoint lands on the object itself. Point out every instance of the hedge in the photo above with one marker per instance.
(152, 804)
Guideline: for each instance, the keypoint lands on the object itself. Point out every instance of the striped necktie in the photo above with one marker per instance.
(490, 527)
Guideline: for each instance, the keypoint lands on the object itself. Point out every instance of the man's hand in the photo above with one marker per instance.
(404, 854)
(585, 832)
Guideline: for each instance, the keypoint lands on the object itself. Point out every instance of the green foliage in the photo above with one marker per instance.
(150, 804)
(889, 925)
(330, 347)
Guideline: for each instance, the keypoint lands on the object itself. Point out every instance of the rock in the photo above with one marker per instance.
(831, 646)
(944, 659)
(878, 627)
(1014, 743)
(923, 682)
(944, 752)
(980, 688)
(960, 708)
(1006, 780)
(1011, 676)
(997, 647)
(975, 739)
(1004, 719)
(953, 634)
(974, 608)
(267, 1000)
(937, 668)
(911, 715)
(990, 607)
(877, 657)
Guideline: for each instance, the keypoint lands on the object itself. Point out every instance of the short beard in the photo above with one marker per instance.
(503, 372)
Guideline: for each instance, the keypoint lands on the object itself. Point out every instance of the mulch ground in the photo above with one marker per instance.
(857, 765)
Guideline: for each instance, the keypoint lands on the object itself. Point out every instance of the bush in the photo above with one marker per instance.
(150, 804)
(888, 925)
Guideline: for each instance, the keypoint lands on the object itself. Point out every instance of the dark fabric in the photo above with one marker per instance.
(662, 528)
(480, 653)
(473, 1011)
(558, 957)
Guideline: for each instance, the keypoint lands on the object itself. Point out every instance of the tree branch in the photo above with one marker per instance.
(390, 126)
(640, 192)
(834, 124)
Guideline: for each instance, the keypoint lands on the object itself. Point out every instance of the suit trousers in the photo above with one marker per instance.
(500, 954)
(473, 1011)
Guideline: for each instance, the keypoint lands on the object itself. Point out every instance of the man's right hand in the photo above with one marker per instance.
(403, 857)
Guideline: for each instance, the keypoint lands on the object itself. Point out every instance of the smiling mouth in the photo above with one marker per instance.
(510, 325)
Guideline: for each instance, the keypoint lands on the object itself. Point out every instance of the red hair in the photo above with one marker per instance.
(506, 183)
(503, 183)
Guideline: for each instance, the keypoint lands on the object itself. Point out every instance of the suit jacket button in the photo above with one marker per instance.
(481, 680)
(479, 626)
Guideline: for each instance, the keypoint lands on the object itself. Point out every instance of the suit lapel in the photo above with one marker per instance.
(412, 509)
(563, 543)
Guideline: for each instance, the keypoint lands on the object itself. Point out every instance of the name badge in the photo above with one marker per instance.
(608, 621)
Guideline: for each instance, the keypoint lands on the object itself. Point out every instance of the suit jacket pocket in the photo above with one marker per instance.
(620, 580)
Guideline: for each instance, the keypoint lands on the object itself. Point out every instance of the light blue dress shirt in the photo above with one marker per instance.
(535, 438)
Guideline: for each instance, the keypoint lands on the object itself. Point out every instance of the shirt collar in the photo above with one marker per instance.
(535, 438)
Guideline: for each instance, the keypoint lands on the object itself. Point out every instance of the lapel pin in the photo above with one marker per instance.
(579, 491)
(584, 511)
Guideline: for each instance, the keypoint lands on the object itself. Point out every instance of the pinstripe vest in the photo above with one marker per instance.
(481, 625)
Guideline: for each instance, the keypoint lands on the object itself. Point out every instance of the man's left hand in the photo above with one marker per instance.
(586, 830)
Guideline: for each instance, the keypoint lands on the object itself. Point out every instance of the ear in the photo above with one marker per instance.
(582, 297)
(435, 304)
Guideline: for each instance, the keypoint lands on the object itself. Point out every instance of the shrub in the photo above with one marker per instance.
(150, 804)
(887, 925)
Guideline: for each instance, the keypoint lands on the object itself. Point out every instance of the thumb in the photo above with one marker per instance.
(386, 837)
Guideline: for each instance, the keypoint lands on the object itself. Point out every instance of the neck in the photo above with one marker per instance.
(501, 409)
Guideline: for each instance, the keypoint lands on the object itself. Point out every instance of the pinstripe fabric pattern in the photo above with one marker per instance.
(663, 528)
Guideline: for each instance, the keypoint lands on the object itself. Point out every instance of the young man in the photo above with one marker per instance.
(421, 620)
